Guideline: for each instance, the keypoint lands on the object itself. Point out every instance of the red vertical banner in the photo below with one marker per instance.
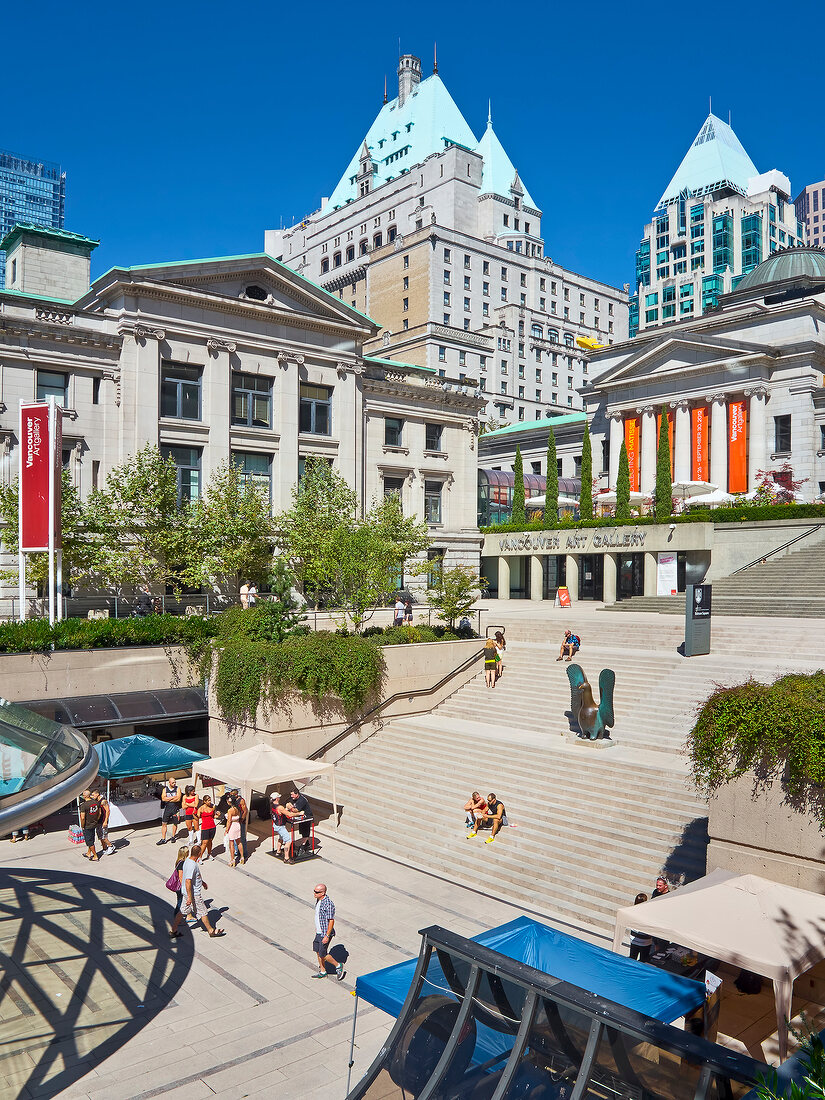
(670, 434)
(57, 488)
(632, 442)
(699, 426)
(35, 455)
(737, 447)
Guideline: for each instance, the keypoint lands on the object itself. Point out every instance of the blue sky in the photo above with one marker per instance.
(188, 129)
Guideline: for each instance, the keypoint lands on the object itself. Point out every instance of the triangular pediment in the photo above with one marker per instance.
(258, 282)
(678, 355)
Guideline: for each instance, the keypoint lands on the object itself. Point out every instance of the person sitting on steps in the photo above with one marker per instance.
(495, 815)
(474, 807)
(571, 644)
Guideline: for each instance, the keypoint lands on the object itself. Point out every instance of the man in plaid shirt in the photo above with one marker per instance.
(324, 932)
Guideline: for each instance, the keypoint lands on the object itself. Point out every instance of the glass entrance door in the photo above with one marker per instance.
(591, 577)
(631, 579)
(555, 574)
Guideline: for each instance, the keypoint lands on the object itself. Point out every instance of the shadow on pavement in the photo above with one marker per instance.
(86, 964)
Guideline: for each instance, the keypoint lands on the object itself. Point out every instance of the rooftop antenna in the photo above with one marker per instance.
(399, 47)
(385, 87)
(489, 112)
(435, 58)
(729, 121)
(710, 105)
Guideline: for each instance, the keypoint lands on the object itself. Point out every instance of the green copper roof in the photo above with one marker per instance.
(791, 263)
(549, 422)
(396, 363)
(715, 159)
(20, 228)
(37, 297)
(498, 173)
(403, 136)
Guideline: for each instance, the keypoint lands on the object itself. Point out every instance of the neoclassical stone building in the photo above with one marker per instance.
(237, 356)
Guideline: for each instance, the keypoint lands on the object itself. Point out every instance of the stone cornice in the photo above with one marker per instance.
(58, 333)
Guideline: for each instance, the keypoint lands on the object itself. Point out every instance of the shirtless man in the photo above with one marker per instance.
(474, 807)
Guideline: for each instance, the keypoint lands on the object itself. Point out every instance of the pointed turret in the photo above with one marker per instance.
(498, 175)
(716, 160)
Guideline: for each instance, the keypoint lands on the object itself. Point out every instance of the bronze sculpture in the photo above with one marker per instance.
(592, 720)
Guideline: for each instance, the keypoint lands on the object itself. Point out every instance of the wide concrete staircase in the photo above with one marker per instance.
(595, 826)
(792, 585)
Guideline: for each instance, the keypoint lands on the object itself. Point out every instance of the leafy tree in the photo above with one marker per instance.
(230, 532)
(287, 609)
(77, 550)
(454, 591)
(519, 511)
(586, 494)
(623, 485)
(307, 533)
(136, 524)
(551, 491)
(663, 497)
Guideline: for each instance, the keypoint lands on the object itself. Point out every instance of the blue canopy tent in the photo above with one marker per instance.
(633, 984)
(139, 754)
(142, 755)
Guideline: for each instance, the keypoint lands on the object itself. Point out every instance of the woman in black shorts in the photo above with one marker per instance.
(170, 797)
(206, 817)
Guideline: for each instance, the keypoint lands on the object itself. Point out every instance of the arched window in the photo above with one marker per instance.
(336, 260)
(350, 253)
(392, 233)
(363, 248)
(377, 240)
(568, 339)
(552, 336)
(537, 331)
(324, 266)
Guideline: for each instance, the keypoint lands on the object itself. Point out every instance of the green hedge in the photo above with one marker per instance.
(755, 727)
(736, 514)
(35, 635)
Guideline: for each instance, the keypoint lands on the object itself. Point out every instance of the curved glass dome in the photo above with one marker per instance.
(43, 765)
(804, 264)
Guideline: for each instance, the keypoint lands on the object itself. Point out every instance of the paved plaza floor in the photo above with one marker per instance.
(97, 1001)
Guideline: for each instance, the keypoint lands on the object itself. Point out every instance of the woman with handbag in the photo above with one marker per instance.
(175, 882)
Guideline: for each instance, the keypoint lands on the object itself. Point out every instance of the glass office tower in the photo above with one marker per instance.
(32, 192)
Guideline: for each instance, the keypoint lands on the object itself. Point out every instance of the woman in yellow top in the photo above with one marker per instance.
(491, 660)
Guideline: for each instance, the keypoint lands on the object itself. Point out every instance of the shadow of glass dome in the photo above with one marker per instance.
(85, 965)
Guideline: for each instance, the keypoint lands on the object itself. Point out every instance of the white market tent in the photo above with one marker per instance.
(260, 767)
(747, 921)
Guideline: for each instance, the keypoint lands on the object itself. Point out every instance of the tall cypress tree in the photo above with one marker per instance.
(663, 498)
(551, 489)
(518, 514)
(586, 494)
(623, 486)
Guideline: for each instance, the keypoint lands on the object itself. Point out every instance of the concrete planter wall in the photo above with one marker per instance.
(68, 672)
(767, 832)
(300, 729)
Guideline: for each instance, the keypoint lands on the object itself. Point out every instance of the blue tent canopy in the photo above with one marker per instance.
(142, 755)
(630, 983)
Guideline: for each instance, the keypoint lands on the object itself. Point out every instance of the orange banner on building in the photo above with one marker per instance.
(670, 434)
(699, 426)
(632, 442)
(737, 447)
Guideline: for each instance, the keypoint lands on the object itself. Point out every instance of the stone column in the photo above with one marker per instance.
(616, 440)
(757, 433)
(681, 449)
(719, 441)
(647, 476)
(503, 578)
(651, 567)
(572, 575)
(610, 578)
(536, 577)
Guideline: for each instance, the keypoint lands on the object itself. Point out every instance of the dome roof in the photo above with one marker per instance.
(792, 263)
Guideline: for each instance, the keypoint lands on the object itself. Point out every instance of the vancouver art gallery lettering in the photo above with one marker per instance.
(575, 541)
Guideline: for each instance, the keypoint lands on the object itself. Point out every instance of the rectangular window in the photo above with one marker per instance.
(538, 395)
(482, 359)
(187, 460)
(447, 277)
(180, 392)
(751, 242)
(406, 285)
(467, 305)
(95, 391)
(95, 474)
(251, 400)
(446, 297)
(504, 294)
(405, 305)
(394, 487)
(256, 470)
(485, 267)
(433, 435)
(462, 358)
(316, 409)
(538, 374)
(521, 393)
(393, 431)
(466, 260)
(723, 242)
(442, 354)
(51, 383)
(782, 434)
(432, 501)
(466, 282)
(406, 260)
(446, 255)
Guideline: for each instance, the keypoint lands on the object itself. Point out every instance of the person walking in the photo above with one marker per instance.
(408, 612)
(491, 660)
(324, 933)
(177, 919)
(232, 832)
(192, 902)
(189, 806)
(252, 596)
(244, 594)
(206, 822)
(398, 611)
(501, 647)
(103, 824)
(243, 821)
(90, 815)
(170, 796)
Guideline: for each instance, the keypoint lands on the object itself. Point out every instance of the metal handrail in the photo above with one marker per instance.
(339, 737)
(777, 550)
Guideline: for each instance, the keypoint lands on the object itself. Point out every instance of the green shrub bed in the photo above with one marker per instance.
(755, 727)
(36, 636)
(737, 514)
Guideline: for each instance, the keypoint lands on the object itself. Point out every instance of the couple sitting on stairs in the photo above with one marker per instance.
(481, 815)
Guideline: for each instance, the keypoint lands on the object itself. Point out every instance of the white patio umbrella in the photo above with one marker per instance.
(684, 490)
(609, 497)
(718, 496)
(539, 502)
